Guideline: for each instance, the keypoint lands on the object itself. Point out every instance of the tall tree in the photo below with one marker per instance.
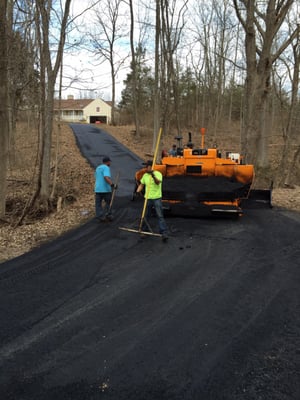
(138, 91)
(110, 29)
(48, 75)
(157, 100)
(172, 22)
(291, 148)
(261, 22)
(134, 71)
(4, 104)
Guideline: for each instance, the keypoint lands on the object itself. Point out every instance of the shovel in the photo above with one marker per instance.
(113, 194)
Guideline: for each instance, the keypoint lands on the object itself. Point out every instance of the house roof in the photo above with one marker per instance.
(72, 104)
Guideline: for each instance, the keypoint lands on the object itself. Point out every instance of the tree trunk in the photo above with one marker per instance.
(48, 77)
(291, 146)
(4, 106)
(45, 161)
(156, 111)
(261, 26)
(113, 94)
(254, 141)
(134, 73)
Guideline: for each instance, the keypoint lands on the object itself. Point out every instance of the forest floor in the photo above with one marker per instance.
(75, 190)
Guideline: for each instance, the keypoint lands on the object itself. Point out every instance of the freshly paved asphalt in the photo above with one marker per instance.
(101, 314)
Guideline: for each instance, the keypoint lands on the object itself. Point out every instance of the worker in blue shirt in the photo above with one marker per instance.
(103, 191)
(173, 151)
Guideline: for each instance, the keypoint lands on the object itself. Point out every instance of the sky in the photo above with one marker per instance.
(84, 75)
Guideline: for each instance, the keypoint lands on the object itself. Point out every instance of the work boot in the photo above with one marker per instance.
(164, 237)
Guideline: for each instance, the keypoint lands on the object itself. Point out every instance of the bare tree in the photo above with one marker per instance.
(156, 104)
(213, 56)
(291, 147)
(47, 79)
(4, 104)
(134, 70)
(172, 22)
(48, 76)
(110, 29)
(261, 25)
(222, 51)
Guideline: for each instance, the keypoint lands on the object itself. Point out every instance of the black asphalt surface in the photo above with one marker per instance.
(101, 314)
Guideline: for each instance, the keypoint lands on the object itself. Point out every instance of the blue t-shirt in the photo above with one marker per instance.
(101, 186)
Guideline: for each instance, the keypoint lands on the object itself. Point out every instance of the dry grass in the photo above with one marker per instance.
(75, 186)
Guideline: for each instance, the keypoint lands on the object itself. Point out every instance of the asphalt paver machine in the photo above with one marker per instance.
(202, 179)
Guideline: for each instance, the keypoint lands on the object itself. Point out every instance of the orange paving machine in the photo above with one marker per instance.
(200, 179)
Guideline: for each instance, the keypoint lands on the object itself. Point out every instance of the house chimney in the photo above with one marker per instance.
(70, 97)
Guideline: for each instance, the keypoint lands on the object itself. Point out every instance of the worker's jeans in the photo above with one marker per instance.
(157, 205)
(102, 202)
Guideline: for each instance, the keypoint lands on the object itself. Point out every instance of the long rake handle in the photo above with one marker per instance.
(147, 189)
(113, 193)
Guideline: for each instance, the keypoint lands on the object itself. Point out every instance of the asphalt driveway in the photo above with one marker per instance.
(101, 314)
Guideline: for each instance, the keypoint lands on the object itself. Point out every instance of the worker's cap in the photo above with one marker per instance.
(148, 163)
(106, 159)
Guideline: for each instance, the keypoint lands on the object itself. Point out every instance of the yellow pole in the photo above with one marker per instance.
(202, 130)
(156, 147)
(147, 189)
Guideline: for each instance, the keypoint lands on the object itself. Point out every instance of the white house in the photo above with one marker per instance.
(83, 110)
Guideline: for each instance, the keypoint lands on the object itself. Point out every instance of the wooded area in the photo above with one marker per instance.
(192, 64)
